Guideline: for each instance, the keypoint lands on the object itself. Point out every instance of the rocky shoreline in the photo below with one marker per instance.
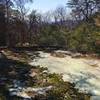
(21, 81)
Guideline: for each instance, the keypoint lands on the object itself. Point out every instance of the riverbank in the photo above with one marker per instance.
(83, 71)
(19, 80)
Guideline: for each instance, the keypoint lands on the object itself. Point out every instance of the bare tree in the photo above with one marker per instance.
(2, 26)
(85, 8)
(47, 17)
(60, 14)
(35, 24)
(21, 6)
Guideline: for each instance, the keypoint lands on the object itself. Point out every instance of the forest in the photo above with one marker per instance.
(78, 31)
(53, 55)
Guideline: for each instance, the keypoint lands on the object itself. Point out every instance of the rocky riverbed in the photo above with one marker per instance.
(75, 68)
(21, 81)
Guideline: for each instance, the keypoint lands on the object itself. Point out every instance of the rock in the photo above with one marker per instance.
(2, 56)
(58, 54)
(93, 63)
(64, 52)
(32, 94)
(41, 54)
(76, 55)
(13, 73)
(18, 93)
(33, 72)
(95, 98)
(45, 72)
(29, 92)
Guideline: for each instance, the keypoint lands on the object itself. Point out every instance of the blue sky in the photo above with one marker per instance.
(46, 5)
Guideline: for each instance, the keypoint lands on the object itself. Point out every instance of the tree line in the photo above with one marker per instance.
(76, 31)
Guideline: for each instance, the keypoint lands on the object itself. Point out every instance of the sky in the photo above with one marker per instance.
(46, 5)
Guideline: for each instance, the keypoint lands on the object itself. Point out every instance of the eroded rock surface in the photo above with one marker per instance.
(85, 73)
